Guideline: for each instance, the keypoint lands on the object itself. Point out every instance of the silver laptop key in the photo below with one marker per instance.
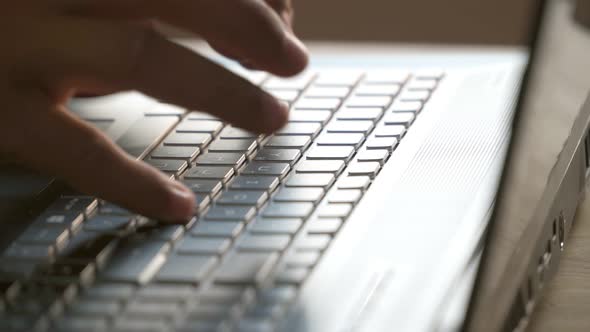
(288, 210)
(288, 142)
(151, 308)
(107, 223)
(196, 126)
(400, 118)
(166, 292)
(242, 197)
(330, 104)
(201, 186)
(223, 173)
(310, 180)
(289, 156)
(144, 132)
(188, 153)
(335, 211)
(292, 275)
(284, 95)
(229, 229)
(299, 195)
(350, 126)
(313, 242)
(320, 116)
(171, 166)
(244, 182)
(234, 159)
(233, 132)
(135, 262)
(366, 101)
(378, 90)
(108, 291)
(337, 78)
(246, 267)
(330, 152)
(370, 168)
(413, 95)
(387, 143)
(230, 213)
(422, 84)
(45, 236)
(96, 307)
(360, 113)
(188, 139)
(397, 131)
(341, 139)
(302, 259)
(34, 252)
(320, 166)
(300, 128)
(323, 226)
(267, 242)
(275, 226)
(344, 196)
(260, 168)
(202, 246)
(386, 77)
(325, 91)
(298, 82)
(194, 115)
(406, 106)
(233, 145)
(189, 269)
(379, 156)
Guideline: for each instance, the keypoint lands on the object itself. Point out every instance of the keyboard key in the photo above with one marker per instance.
(188, 153)
(228, 229)
(288, 142)
(397, 131)
(413, 95)
(203, 246)
(350, 126)
(288, 210)
(73, 204)
(335, 211)
(324, 226)
(386, 77)
(70, 220)
(370, 169)
(285, 95)
(365, 101)
(259, 168)
(344, 196)
(341, 139)
(144, 132)
(268, 242)
(110, 208)
(230, 213)
(320, 166)
(199, 126)
(422, 84)
(292, 275)
(379, 156)
(151, 308)
(166, 292)
(171, 166)
(275, 225)
(188, 139)
(401, 118)
(208, 187)
(191, 269)
(299, 195)
(324, 91)
(89, 247)
(298, 82)
(300, 128)
(223, 173)
(162, 231)
(127, 323)
(360, 113)
(236, 133)
(251, 198)
(313, 242)
(289, 156)
(406, 106)
(218, 294)
(330, 152)
(305, 103)
(337, 78)
(96, 307)
(45, 236)
(194, 115)
(220, 159)
(135, 261)
(310, 180)
(268, 183)
(306, 116)
(380, 143)
(107, 223)
(233, 145)
(246, 267)
(37, 252)
(106, 291)
(377, 90)
(277, 294)
(302, 259)
(90, 324)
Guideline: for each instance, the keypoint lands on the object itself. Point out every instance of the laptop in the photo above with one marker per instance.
(364, 213)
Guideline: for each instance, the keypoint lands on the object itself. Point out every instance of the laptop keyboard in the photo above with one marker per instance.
(268, 207)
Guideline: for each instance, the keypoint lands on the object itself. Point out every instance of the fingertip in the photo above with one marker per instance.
(275, 114)
(296, 56)
(181, 203)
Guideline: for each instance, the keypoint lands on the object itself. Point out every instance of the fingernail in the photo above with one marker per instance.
(183, 205)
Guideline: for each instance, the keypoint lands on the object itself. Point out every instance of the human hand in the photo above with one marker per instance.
(55, 49)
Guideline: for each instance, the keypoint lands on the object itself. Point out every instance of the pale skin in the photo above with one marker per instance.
(55, 49)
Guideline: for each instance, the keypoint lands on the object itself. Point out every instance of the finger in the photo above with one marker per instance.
(284, 8)
(72, 150)
(117, 56)
(249, 28)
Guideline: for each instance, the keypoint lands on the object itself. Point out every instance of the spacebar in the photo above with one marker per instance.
(144, 133)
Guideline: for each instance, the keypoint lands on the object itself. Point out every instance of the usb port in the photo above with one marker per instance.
(587, 151)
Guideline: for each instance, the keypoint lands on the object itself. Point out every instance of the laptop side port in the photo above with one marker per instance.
(561, 230)
(587, 151)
